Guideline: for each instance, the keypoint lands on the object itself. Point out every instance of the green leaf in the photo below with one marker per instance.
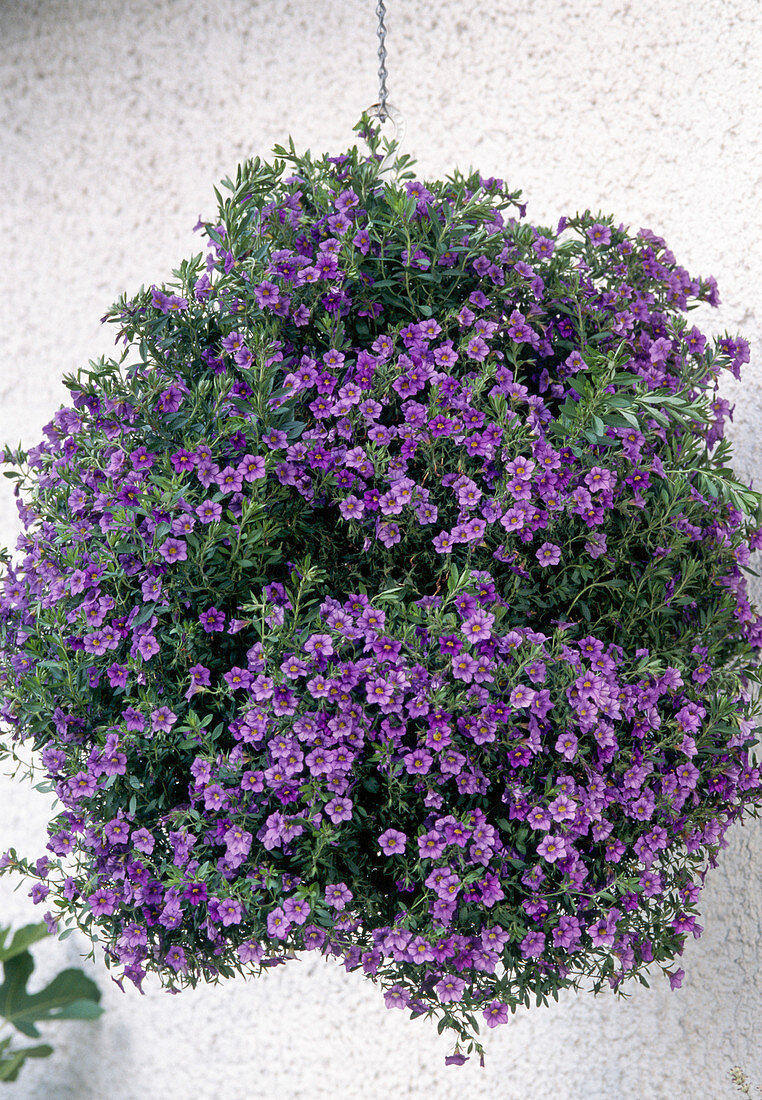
(71, 995)
(22, 939)
(11, 1061)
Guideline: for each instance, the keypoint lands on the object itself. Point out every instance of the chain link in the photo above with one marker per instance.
(383, 94)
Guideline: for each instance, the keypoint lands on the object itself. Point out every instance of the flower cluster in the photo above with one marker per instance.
(389, 601)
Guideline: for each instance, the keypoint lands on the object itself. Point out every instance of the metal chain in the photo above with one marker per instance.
(383, 95)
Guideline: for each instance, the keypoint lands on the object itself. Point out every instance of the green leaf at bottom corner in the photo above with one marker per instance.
(71, 995)
(11, 1061)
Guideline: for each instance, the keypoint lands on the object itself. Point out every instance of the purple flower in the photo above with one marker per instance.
(532, 945)
(151, 589)
(351, 507)
(599, 234)
(183, 460)
(296, 910)
(230, 480)
(568, 933)
(102, 902)
(278, 924)
(566, 745)
(230, 912)
(443, 543)
(147, 646)
(456, 1059)
(651, 884)
(379, 691)
(200, 679)
(162, 720)
(563, 808)
(195, 893)
(549, 554)
(209, 511)
(478, 626)
(450, 989)
(397, 997)
(319, 644)
(675, 977)
(134, 720)
(143, 841)
(339, 809)
(39, 892)
(539, 818)
(250, 951)
(522, 696)
(171, 399)
(175, 957)
(496, 1013)
(237, 678)
(337, 895)
(275, 439)
(83, 784)
(117, 831)
(418, 762)
(251, 467)
(212, 620)
(141, 459)
(388, 533)
(552, 848)
(117, 675)
(477, 349)
(267, 295)
(392, 842)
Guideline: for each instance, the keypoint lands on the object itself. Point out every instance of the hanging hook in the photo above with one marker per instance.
(382, 73)
(386, 112)
(383, 110)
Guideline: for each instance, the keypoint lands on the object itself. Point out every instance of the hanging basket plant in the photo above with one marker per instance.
(386, 598)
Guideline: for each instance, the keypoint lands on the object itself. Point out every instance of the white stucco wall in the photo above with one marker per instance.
(117, 120)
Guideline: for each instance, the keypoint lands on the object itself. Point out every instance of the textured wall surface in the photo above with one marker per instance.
(117, 120)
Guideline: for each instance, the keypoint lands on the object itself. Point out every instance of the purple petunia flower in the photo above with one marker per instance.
(212, 620)
(143, 841)
(397, 997)
(319, 645)
(230, 480)
(338, 895)
(339, 809)
(478, 626)
(549, 554)
(209, 511)
(102, 902)
(147, 646)
(175, 957)
(496, 1013)
(532, 945)
(392, 842)
(599, 234)
(450, 989)
(162, 720)
(251, 467)
(230, 911)
(133, 719)
(351, 507)
(675, 977)
(551, 848)
(278, 924)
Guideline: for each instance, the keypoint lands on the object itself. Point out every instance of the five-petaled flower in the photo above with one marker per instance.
(392, 842)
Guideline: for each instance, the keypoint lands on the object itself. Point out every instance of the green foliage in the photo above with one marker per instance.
(71, 995)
